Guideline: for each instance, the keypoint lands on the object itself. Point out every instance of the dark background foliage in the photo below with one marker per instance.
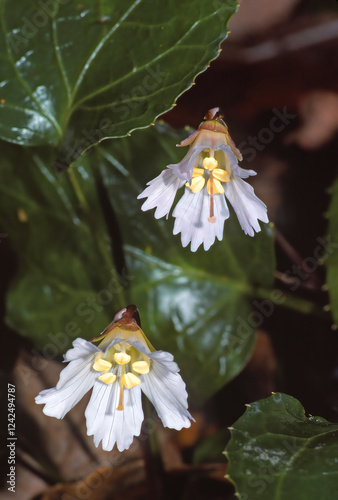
(279, 56)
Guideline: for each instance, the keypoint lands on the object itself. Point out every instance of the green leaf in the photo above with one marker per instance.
(277, 453)
(64, 252)
(196, 306)
(330, 255)
(74, 73)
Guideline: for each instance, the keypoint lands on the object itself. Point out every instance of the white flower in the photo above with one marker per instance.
(122, 365)
(211, 175)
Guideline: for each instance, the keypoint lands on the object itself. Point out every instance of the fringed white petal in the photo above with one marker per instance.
(192, 213)
(76, 379)
(109, 425)
(187, 214)
(233, 161)
(242, 172)
(184, 168)
(165, 388)
(249, 209)
(81, 348)
(221, 212)
(161, 193)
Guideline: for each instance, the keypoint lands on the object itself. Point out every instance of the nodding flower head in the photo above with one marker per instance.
(119, 365)
(210, 174)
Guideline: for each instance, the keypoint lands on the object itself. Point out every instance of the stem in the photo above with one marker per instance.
(289, 280)
(291, 302)
(120, 300)
(294, 256)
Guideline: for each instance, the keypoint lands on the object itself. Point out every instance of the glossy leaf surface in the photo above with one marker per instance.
(276, 452)
(74, 73)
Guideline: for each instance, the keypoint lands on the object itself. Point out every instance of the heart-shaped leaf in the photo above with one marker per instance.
(276, 452)
(74, 73)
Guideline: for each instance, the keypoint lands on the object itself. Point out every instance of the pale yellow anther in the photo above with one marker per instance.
(197, 172)
(217, 187)
(130, 380)
(108, 378)
(221, 175)
(210, 163)
(101, 365)
(140, 367)
(122, 358)
(196, 184)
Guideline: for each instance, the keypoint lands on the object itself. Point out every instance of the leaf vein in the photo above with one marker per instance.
(24, 84)
(99, 47)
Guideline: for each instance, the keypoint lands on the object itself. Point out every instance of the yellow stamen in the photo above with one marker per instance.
(217, 187)
(108, 378)
(122, 358)
(197, 184)
(130, 380)
(214, 185)
(197, 172)
(210, 163)
(120, 403)
(140, 367)
(101, 365)
(221, 175)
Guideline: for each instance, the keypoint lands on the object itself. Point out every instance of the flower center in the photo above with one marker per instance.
(116, 363)
(216, 176)
(209, 163)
